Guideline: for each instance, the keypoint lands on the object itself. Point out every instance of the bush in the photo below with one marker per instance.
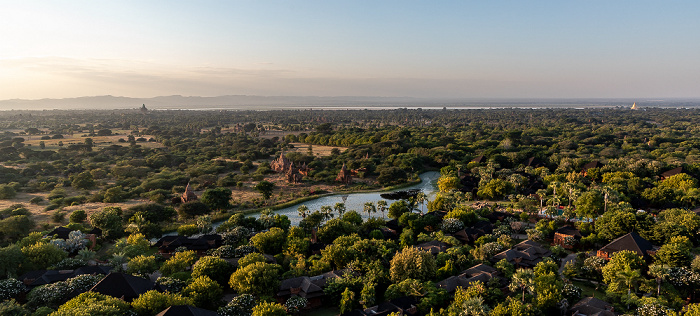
(7, 192)
(204, 292)
(153, 302)
(78, 216)
(192, 209)
(214, 268)
(179, 262)
(187, 230)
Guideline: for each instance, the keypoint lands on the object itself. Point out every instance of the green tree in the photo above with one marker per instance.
(258, 278)
(179, 262)
(11, 257)
(270, 242)
(347, 300)
(676, 253)
(412, 263)
(620, 261)
(495, 189)
(265, 188)
(83, 181)
(42, 255)
(660, 272)
(589, 204)
(192, 209)
(382, 206)
(153, 302)
(303, 210)
(142, 264)
(7, 192)
(93, 304)
(269, 309)
(204, 292)
(448, 183)
(370, 208)
(522, 280)
(217, 199)
(398, 208)
(251, 258)
(214, 268)
(109, 220)
(78, 216)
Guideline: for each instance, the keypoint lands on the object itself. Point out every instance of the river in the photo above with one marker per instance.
(356, 201)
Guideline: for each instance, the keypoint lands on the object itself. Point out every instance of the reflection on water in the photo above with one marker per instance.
(356, 201)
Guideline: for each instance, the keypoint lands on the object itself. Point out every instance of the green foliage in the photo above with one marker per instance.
(335, 228)
(12, 308)
(204, 292)
(217, 199)
(83, 181)
(153, 302)
(7, 192)
(675, 253)
(495, 189)
(258, 278)
(270, 242)
(109, 220)
(78, 216)
(216, 269)
(265, 188)
(250, 259)
(15, 227)
(398, 208)
(93, 304)
(192, 209)
(187, 229)
(412, 263)
(269, 309)
(241, 305)
(42, 255)
(179, 262)
(142, 265)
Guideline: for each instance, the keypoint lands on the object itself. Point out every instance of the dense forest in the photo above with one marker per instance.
(539, 212)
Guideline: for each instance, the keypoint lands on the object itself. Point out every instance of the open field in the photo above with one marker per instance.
(79, 138)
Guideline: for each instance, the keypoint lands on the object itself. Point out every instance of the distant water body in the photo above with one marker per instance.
(356, 201)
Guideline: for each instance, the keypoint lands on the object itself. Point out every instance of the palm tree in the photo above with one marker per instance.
(381, 204)
(474, 306)
(340, 208)
(303, 210)
(630, 278)
(523, 280)
(370, 208)
(327, 212)
(421, 198)
(660, 272)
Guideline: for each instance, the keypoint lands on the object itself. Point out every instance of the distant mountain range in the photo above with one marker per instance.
(250, 102)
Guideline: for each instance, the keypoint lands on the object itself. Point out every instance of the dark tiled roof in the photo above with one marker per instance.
(60, 232)
(592, 306)
(205, 242)
(632, 242)
(41, 277)
(592, 164)
(527, 254)
(123, 285)
(673, 172)
(433, 246)
(186, 310)
(568, 230)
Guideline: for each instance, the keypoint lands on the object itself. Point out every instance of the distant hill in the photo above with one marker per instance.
(195, 102)
(250, 102)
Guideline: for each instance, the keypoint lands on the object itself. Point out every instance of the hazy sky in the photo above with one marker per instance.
(558, 48)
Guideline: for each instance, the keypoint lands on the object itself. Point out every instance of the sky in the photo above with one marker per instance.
(405, 48)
